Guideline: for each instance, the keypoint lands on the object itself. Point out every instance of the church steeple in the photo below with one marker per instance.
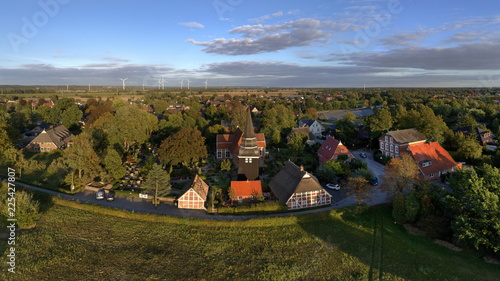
(249, 154)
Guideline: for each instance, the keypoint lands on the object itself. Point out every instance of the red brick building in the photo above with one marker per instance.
(298, 189)
(55, 137)
(432, 160)
(331, 149)
(194, 195)
(393, 143)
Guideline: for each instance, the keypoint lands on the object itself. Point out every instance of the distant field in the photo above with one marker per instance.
(76, 242)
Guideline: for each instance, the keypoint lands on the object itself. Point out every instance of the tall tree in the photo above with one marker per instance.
(114, 164)
(71, 116)
(187, 146)
(358, 187)
(131, 126)
(158, 181)
(475, 202)
(400, 173)
(380, 122)
(81, 157)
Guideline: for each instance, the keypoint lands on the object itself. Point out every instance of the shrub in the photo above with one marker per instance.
(26, 209)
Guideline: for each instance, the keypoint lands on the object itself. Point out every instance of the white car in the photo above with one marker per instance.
(333, 186)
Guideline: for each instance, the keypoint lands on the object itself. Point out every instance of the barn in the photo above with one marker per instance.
(298, 189)
(194, 195)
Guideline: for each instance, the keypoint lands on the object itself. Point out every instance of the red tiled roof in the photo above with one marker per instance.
(232, 141)
(332, 147)
(246, 188)
(439, 158)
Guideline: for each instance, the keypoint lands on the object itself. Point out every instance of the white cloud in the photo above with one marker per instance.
(192, 24)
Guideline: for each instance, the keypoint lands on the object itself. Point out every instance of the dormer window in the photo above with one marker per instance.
(426, 163)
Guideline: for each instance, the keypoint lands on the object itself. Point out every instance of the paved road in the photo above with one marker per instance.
(339, 200)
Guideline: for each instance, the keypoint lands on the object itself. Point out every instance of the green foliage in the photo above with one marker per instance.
(225, 165)
(158, 181)
(380, 122)
(297, 142)
(81, 156)
(131, 126)
(187, 146)
(259, 208)
(398, 208)
(114, 164)
(346, 131)
(412, 207)
(475, 201)
(26, 208)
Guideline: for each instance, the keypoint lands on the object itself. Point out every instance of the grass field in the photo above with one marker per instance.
(86, 242)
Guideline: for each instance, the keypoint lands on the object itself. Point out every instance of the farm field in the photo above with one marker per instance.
(73, 241)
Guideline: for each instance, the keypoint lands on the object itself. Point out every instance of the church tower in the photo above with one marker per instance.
(249, 154)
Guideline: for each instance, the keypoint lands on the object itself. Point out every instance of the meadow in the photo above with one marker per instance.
(75, 241)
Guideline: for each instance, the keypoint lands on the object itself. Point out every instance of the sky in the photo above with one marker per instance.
(273, 43)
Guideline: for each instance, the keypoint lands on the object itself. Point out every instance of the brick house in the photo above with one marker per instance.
(316, 128)
(432, 160)
(392, 143)
(331, 149)
(193, 195)
(245, 191)
(484, 137)
(55, 137)
(298, 189)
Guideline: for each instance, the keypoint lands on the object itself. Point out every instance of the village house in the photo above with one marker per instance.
(392, 143)
(432, 160)
(331, 149)
(245, 191)
(298, 189)
(316, 128)
(483, 137)
(193, 195)
(55, 137)
(311, 138)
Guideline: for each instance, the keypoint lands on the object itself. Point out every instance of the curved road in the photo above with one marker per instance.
(339, 200)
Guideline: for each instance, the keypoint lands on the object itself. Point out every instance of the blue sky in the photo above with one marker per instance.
(316, 43)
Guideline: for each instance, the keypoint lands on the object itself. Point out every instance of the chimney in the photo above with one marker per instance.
(301, 168)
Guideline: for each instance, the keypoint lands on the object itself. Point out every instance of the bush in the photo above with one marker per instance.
(259, 208)
(26, 209)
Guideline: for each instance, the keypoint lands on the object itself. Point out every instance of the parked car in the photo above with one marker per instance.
(374, 181)
(333, 186)
(99, 195)
(110, 196)
(363, 155)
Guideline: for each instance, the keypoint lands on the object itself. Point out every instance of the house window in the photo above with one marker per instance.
(248, 160)
(341, 151)
(386, 146)
(386, 138)
(431, 175)
(240, 199)
(392, 155)
(381, 146)
(219, 154)
(392, 147)
(228, 154)
(396, 149)
(391, 139)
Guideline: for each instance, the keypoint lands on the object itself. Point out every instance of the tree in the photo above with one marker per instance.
(27, 209)
(187, 146)
(475, 203)
(469, 148)
(398, 208)
(380, 122)
(359, 187)
(296, 143)
(5, 142)
(412, 207)
(71, 116)
(346, 131)
(158, 180)
(16, 158)
(80, 156)
(114, 164)
(131, 126)
(400, 173)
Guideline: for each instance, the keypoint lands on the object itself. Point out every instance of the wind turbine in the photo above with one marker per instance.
(123, 81)
(163, 83)
(206, 84)
(159, 83)
(182, 83)
(188, 83)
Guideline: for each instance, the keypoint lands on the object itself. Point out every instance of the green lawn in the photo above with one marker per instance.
(86, 242)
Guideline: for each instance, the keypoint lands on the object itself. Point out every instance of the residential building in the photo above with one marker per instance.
(393, 143)
(331, 149)
(432, 159)
(245, 191)
(311, 138)
(298, 189)
(484, 137)
(55, 137)
(193, 195)
(316, 128)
